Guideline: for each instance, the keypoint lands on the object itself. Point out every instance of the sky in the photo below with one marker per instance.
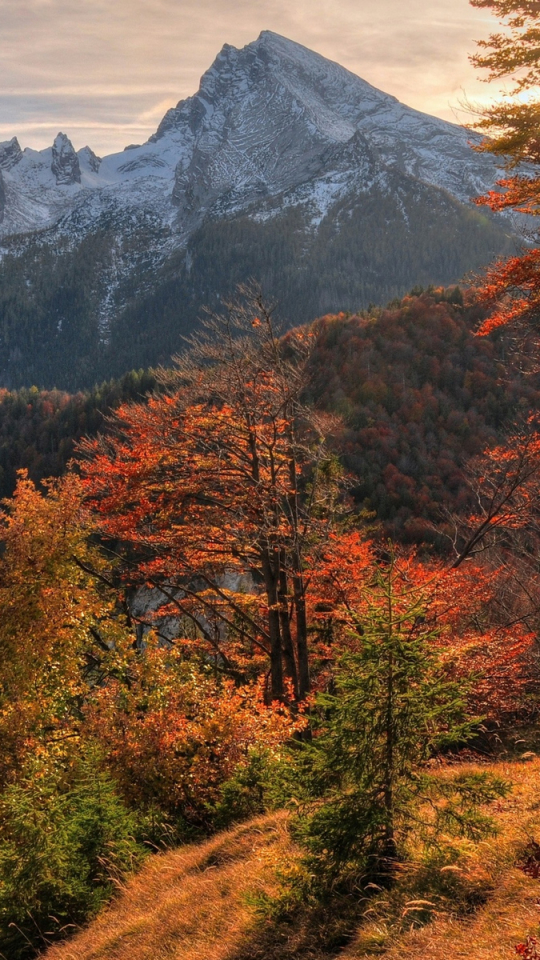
(105, 71)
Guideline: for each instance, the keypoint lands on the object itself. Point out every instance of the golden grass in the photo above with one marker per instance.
(188, 904)
(194, 903)
(511, 911)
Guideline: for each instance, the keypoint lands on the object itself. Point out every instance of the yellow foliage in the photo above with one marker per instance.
(54, 616)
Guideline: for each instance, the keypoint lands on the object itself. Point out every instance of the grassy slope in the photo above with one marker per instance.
(195, 903)
(188, 904)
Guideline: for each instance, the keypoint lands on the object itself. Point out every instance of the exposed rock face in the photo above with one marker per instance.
(273, 115)
(10, 153)
(2, 197)
(268, 119)
(254, 136)
(88, 160)
(65, 162)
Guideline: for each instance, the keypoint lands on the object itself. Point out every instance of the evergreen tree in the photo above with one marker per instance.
(393, 708)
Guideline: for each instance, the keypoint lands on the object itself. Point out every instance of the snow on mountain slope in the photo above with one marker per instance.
(268, 119)
(283, 166)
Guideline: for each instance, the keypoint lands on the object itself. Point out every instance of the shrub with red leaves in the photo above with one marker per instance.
(530, 950)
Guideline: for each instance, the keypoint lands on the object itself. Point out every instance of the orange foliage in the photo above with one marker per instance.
(511, 288)
(222, 489)
(173, 735)
(178, 484)
(170, 731)
(455, 603)
(50, 611)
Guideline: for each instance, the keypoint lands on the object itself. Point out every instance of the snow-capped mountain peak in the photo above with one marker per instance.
(283, 165)
(265, 120)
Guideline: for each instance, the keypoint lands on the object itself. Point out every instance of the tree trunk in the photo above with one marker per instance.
(304, 682)
(390, 849)
(286, 636)
(276, 666)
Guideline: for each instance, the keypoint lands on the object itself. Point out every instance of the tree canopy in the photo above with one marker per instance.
(512, 287)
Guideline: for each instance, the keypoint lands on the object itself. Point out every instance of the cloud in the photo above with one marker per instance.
(105, 71)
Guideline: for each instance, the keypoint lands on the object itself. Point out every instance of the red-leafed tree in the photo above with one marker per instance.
(221, 493)
(461, 608)
(511, 288)
(504, 526)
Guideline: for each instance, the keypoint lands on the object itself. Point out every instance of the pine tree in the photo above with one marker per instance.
(394, 706)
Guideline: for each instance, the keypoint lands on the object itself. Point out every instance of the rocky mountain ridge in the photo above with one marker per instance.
(283, 166)
(266, 119)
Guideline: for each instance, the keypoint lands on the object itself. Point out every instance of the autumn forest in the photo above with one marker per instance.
(288, 588)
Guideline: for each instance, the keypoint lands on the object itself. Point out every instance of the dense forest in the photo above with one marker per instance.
(81, 311)
(39, 428)
(417, 394)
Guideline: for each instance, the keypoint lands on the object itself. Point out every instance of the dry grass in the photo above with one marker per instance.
(194, 903)
(188, 904)
(511, 910)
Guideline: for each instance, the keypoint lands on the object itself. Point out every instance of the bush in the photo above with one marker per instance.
(66, 840)
(244, 794)
(175, 736)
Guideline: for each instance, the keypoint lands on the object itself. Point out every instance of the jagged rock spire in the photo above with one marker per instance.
(65, 162)
(10, 153)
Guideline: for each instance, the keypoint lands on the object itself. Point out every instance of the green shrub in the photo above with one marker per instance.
(66, 840)
(244, 794)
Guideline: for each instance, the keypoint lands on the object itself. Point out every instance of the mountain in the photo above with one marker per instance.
(284, 166)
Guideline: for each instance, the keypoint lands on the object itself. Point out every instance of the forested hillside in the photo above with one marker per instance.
(417, 391)
(419, 395)
(71, 315)
(39, 428)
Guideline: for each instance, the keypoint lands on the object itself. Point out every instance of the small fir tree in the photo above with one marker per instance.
(66, 841)
(394, 707)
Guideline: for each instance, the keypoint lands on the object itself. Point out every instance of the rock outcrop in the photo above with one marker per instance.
(65, 162)
(10, 153)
